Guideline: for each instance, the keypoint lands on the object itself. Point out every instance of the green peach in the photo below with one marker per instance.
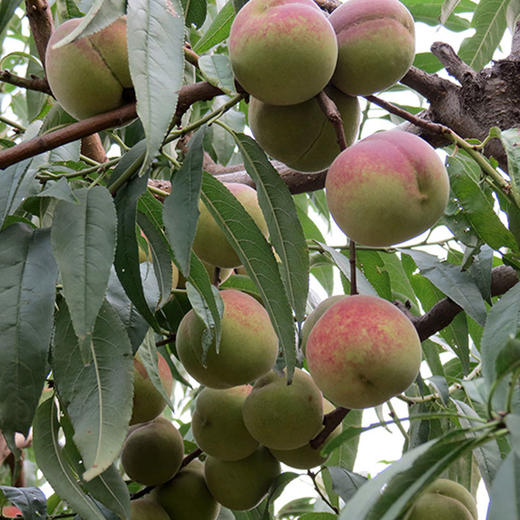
(452, 489)
(148, 402)
(153, 452)
(282, 52)
(187, 497)
(248, 347)
(284, 416)
(218, 426)
(363, 351)
(387, 188)
(307, 457)
(376, 45)
(241, 484)
(300, 135)
(315, 315)
(432, 506)
(210, 243)
(146, 509)
(89, 75)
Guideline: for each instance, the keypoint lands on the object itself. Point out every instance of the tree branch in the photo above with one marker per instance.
(515, 46)
(40, 21)
(329, 108)
(453, 64)
(330, 422)
(33, 83)
(431, 86)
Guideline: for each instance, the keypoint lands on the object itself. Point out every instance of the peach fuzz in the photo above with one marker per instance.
(363, 351)
(89, 75)
(282, 52)
(210, 243)
(248, 348)
(300, 135)
(387, 188)
(376, 45)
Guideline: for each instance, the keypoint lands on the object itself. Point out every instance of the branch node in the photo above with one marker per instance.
(454, 65)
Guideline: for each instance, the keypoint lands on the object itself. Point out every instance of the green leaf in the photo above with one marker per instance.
(387, 496)
(127, 257)
(342, 263)
(318, 516)
(448, 7)
(257, 257)
(135, 325)
(219, 29)
(98, 397)
(477, 207)
(16, 184)
(285, 230)
(502, 324)
(373, 267)
(489, 20)
(427, 62)
(505, 492)
(100, 15)
(513, 425)
(59, 190)
(345, 455)
(216, 69)
(345, 483)
(54, 464)
(511, 140)
(454, 283)
(195, 12)
(148, 356)
(481, 271)
(28, 275)
(155, 30)
(30, 501)
(276, 490)
(84, 240)
(180, 208)
(7, 9)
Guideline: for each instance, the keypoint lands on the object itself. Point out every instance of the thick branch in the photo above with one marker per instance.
(515, 46)
(187, 96)
(40, 20)
(92, 147)
(330, 422)
(35, 83)
(431, 86)
(453, 64)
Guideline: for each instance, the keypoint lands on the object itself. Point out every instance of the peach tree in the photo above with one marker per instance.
(138, 265)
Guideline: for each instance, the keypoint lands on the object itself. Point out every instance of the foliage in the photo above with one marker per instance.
(75, 304)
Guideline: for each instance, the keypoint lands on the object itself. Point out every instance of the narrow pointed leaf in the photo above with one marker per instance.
(28, 276)
(257, 257)
(285, 230)
(180, 209)
(219, 29)
(155, 30)
(216, 69)
(505, 493)
(98, 397)
(30, 501)
(84, 240)
(54, 465)
(7, 9)
(448, 7)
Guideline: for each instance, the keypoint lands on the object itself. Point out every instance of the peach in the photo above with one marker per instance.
(210, 243)
(241, 484)
(248, 347)
(153, 452)
(146, 509)
(148, 402)
(307, 457)
(387, 188)
(218, 426)
(186, 496)
(89, 75)
(376, 45)
(300, 135)
(284, 416)
(363, 351)
(283, 52)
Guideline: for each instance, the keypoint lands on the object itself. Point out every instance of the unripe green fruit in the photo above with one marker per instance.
(452, 489)
(248, 347)
(283, 416)
(241, 484)
(153, 452)
(376, 45)
(210, 243)
(363, 351)
(315, 315)
(300, 135)
(282, 52)
(89, 75)
(148, 403)
(432, 506)
(146, 509)
(218, 426)
(307, 457)
(387, 188)
(187, 497)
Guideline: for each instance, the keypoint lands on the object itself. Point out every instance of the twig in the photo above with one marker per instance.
(14, 124)
(191, 456)
(352, 261)
(40, 20)
(331, 111)
(330, 422)
(328, 5)
(35, 83)
(312, 476)
(169, 339)
(453, 64)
